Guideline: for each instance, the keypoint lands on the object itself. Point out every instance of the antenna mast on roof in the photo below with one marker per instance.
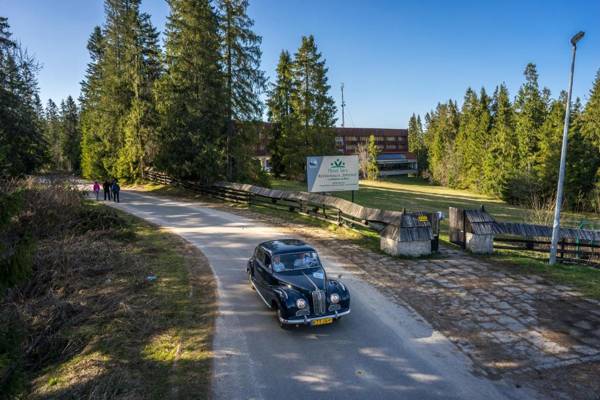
(343, 105)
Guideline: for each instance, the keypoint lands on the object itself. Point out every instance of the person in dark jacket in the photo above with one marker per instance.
(106, 189)
(115, 191)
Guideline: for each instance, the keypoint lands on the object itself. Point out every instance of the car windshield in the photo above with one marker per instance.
(294, 261)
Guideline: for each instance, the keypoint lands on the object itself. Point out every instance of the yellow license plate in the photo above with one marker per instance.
(323, 321)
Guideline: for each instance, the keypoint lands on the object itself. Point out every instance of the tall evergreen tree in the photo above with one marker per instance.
(282, 116)
(92, 150)
(590, 135)
(118, 111)
(416, 142)
(244, 82)
(442, 126)
(22, 144)
(313, 106)
(500, 158)
(53, 135)
(70, 135)
(530, 110)
(190, 93)
(372, 167)
(141, 122)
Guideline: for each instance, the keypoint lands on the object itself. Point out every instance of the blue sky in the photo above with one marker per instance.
(395, 57)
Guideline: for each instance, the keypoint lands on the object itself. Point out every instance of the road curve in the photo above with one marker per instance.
(380, 351)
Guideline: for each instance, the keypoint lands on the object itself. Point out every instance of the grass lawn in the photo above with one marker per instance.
(128, 337)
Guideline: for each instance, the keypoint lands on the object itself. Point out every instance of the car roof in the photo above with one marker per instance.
(284, 246)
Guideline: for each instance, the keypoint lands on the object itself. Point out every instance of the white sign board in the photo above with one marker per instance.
(332, 173)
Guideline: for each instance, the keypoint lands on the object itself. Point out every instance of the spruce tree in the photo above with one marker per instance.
(530, 111)
(282, 116)
(190, 95)
(141, 122)
(22, 144)
(92, 149)
(52, 135)
(442, 126)
(313, 107)
(500, 158)
(70, 138)
(590, 134)
(416, 142)
(372, 167)
(244, 82)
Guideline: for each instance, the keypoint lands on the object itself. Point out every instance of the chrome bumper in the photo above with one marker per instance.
(307, 320)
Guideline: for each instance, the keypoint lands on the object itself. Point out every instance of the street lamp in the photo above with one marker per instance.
(563, 158)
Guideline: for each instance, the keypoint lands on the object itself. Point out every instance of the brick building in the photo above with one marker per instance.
(393, 159)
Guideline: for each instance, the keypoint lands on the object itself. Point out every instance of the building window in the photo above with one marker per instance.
(390, 146)
(351, 138)
(350, 147)
(390, 138)
(339, 141)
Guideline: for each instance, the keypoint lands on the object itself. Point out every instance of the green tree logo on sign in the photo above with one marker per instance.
(337, 164)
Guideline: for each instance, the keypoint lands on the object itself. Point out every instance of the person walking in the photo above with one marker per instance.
(106, 189)
(115, 191)
(96, 189)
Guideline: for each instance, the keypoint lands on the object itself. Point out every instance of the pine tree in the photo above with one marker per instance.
(22, 144)
(583, 161)
(416, 142)
(442, 126)
(281, 115)
(372, 167)
(590, 133)
(70, 138)
(118, 110)
(244, 82)
(500, 158)
(52, 134)
(141, 122)
(313, 107)
(190, 95)
(530, 108)
(92, 149)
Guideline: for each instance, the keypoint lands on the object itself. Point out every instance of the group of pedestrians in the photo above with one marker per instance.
(111, 190)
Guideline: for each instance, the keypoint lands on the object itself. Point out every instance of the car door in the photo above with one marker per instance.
(262, 272)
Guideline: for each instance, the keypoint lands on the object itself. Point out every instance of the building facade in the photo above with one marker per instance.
(393, 159)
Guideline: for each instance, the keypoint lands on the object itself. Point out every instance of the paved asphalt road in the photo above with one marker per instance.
(379, 351)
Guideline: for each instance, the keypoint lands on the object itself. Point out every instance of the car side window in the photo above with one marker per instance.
(267, 262)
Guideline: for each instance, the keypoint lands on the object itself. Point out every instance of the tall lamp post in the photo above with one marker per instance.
(563, 158)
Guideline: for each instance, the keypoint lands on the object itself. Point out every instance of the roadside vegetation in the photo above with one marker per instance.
(101, 305)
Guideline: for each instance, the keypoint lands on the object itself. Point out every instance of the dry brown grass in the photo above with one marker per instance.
(91, 325)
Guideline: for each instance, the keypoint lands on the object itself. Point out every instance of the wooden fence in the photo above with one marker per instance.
(575, 245)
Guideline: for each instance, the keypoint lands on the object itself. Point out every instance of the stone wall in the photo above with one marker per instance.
(415, 248)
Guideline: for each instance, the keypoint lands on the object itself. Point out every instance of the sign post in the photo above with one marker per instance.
(332, 173)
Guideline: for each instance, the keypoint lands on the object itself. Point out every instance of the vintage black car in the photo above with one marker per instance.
(289, 277)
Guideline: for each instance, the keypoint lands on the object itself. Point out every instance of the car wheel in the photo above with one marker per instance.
(281, 324)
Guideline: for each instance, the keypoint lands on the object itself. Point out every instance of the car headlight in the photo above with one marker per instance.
(335, 298)
(300, 303)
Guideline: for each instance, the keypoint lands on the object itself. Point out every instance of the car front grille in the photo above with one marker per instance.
(318, 299)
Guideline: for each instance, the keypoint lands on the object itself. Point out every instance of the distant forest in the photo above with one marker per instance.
(511, 148)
